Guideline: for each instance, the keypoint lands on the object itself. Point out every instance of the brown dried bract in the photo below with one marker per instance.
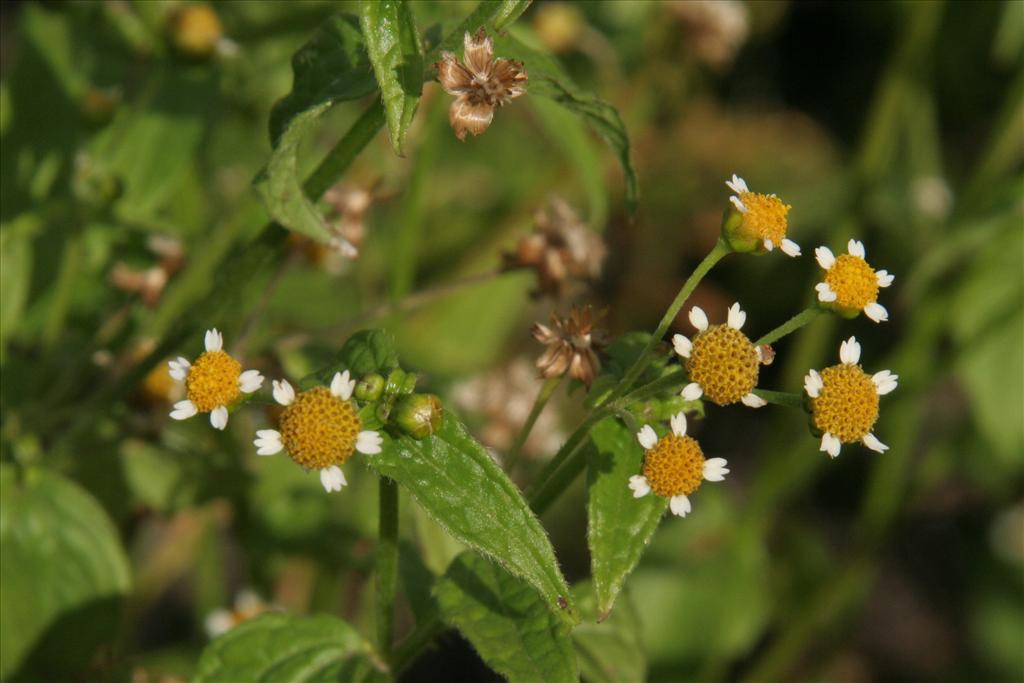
(572, 345)
(480, 83)
(561, 246)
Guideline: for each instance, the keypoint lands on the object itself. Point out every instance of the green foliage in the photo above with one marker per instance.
(609, 650)
(62, 577)
(289, 649)
(455, 480)
(365, 352)
(619, 525)
(396, 54)
(506, 621)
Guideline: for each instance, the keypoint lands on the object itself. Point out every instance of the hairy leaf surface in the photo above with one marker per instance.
(506, 621)
(62, 576)
(620, 526)
(288, 649)
(455, 480)
(397, 58)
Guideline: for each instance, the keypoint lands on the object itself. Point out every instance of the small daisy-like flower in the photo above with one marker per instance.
(723, 364)
(674, 466)
(212, 383)
(319, 429)
(248, 604)
(844, 400)
(851, 285)
(480, 83)
(763, 219)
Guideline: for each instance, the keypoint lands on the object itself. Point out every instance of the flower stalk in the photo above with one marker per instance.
(515, 451)
(792, 325)
(387, 563)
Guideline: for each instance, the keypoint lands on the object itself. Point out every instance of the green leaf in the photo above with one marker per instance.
(549, 79)
(285, 649)
(620, 526)
(506, 621)
(455, 480)
(488, 13)
(609, 651)
(62, 577)
(366, 352)
(332, 67)
(397, 58)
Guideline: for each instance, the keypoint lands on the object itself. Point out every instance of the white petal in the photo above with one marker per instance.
(678, 424)
(682, 345)
(283, 392)
(250, 381)
(825, 258)
(332, 478)
(692, 391)
(219, 417)
(752, 400)
(872, 442)
(885, 382)
(342, 386)
(830, 444)
(217, 622)
(639, 485)
(680, 505)
(884, 278)
(647, 437)
(214, 340)
(855, 248)
(268, 442)
(369, 442)
(759, 352)
(737, 184)
(790, 248)
(736, 317)
(813, 383)
(740, 206)
(849, 351)
(698, 318)
(825, 293)
(715, 469)
(184, 410)
(876, 312)
(769, 245)
(179, 368)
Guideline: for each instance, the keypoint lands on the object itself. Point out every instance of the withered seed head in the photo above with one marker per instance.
(561, 246)
(479, 82)
(572, 345)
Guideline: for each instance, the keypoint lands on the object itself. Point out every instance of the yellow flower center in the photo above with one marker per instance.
(847, 405)
(724, 363)
(213, 381)
(853, 281)
(319, 429)
(765, 216)
(675, 466)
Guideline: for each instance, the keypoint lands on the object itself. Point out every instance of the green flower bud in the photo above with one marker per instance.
(409, 385)
(395, 382)
(419, 415)
(370, 388)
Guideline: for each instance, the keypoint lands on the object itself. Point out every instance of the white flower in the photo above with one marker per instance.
(764, 215)
(703, 355)
(850, 283)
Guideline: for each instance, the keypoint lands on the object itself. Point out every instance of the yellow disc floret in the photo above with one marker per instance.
(766, 216)
(212, 381)
(847, 404)
(319, 429)
(724, 363)
(853, 281)
(675, 466)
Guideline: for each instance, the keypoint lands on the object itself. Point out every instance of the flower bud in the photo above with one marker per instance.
(419, 415)
(195, 31)
(738, 239)
(395, 383)
(370, 388)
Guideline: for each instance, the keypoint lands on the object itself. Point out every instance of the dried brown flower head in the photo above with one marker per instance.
(480, 83)
(349, 204)
(572, 344)
(561, 246)
(714, 29)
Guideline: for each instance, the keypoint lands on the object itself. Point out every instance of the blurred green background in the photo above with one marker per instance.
(127, 161)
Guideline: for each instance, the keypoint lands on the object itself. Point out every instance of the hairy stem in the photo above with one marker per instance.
(387, 563)
(702, 269)
(792, 325)
(516, 450)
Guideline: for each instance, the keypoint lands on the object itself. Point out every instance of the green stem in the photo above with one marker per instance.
(566, 464)
(781, 398)
(516, 450)
(387, 564)
(417, 641)
(792, 325)
(713, 257)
